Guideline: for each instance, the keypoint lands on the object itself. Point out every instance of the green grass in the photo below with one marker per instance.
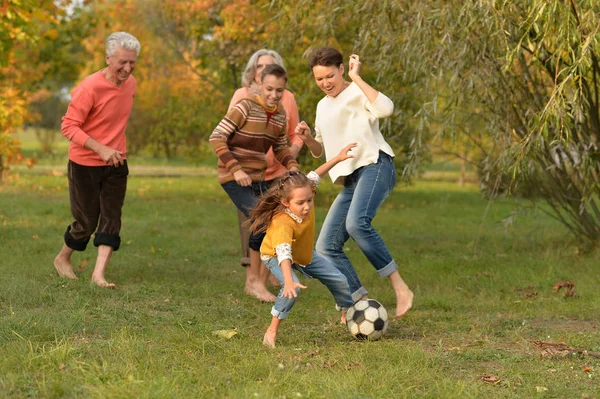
(179, 280)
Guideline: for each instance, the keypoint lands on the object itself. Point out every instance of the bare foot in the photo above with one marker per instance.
(260, 292)
(274, 281)
(102, 283)
(343, 319)
(269, 339)
(404, 302)
(64, 268)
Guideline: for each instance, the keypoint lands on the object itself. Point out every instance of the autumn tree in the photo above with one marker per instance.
(37, 38)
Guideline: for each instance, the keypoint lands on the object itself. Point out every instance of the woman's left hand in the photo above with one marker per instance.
(354, 67)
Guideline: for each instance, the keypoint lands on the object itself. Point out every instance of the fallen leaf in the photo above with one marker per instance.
(227, 334)
(587, 369)
(569, 287)
(541, 389)
(35, 236)
(493, 379)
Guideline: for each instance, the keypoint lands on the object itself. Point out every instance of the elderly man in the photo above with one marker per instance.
(95, 124)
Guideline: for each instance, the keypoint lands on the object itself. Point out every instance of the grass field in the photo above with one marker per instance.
(482, 275)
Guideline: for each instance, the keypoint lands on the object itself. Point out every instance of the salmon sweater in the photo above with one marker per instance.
(244, 136)
(99, 110)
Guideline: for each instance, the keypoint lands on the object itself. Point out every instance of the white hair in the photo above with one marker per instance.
(250, 71)
(123, 40)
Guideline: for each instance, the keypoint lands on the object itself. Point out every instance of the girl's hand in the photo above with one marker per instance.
(289, 290)
(354, 67)
(242, 178)
(344, 154)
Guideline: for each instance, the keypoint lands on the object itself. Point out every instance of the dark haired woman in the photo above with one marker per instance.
(349, 113)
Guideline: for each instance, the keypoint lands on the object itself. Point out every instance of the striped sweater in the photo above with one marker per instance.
(244, 136)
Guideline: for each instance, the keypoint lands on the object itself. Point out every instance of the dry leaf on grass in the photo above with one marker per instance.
(227, 334)
(569, 287)
(561, 349)
(492, 379)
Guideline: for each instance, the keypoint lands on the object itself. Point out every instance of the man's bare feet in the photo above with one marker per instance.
(343, 319)
(101, 282)
(64, 268)
(269, 339)
(404, 302)
(259, 292)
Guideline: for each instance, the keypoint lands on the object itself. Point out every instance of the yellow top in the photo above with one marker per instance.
(299, 233)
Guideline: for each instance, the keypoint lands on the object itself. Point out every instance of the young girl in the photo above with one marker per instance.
(287, 215)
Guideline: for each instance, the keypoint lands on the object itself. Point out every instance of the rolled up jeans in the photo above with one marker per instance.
(351, 215)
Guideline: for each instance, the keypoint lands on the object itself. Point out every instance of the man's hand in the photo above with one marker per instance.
(111, 156)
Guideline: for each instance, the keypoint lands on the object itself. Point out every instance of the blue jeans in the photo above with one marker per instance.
(245, 198)
(321, 269)
(351, 215)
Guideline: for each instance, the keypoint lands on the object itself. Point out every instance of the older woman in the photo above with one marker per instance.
(250, 83)
(349, 113)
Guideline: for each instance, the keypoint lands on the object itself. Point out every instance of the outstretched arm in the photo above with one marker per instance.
(342, 156)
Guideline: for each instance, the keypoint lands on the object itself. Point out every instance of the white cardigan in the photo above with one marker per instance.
(351, 118)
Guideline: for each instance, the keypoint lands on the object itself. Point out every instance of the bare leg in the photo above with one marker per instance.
(273, 281)
(104, 254)
(271, 333)
(62, 263)
(404, 296)
(256, 278)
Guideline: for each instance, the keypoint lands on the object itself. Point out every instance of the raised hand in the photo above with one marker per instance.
(354, 67)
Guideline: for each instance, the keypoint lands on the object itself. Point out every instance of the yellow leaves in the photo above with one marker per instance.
(225, 334)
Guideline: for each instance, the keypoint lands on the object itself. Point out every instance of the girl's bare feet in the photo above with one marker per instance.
(269, 339)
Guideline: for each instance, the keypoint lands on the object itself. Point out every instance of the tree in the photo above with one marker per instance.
(36, 42)
(530, 68)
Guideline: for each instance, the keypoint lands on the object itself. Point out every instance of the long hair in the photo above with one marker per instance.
(250, 71)
(270, 203)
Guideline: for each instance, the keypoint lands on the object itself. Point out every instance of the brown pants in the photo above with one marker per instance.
(96, 194)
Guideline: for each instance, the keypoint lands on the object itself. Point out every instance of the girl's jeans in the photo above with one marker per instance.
(351, 214)
(322, 270)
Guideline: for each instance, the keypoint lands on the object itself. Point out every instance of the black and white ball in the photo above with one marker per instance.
(367, 319)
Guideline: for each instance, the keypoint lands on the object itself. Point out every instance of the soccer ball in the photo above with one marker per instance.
(367, 319)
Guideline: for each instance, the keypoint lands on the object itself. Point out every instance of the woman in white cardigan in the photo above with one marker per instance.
(350, 113)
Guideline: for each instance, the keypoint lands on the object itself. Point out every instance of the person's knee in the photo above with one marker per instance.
(358, 227)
